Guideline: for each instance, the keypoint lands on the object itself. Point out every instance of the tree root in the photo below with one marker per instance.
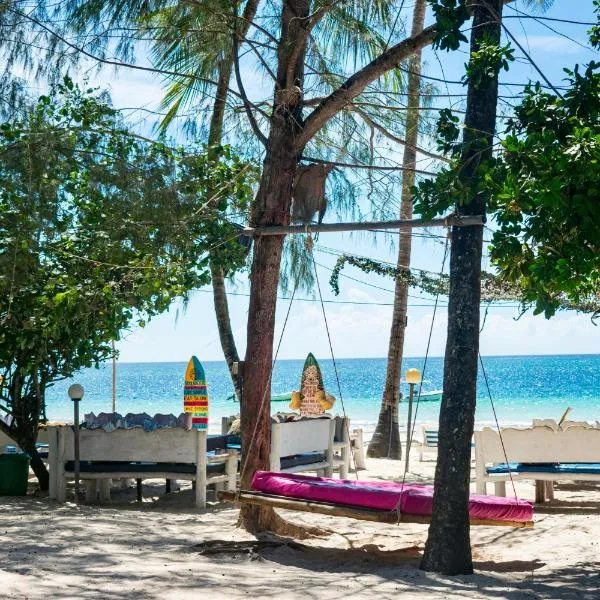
(263, 519)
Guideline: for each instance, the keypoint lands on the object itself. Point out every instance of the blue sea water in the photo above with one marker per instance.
(522, 388)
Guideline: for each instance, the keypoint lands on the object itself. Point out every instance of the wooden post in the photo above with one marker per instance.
(480, 484)
(231, 470)
(540, 491)
(346, 449)
(329, 450)
(52, 460)
(274, 458)
(201, 465)
(61, 482)
(359, 449)
(452, 220)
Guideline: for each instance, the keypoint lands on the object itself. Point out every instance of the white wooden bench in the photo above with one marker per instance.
(169, 454)
(538, 446)
(297, 438)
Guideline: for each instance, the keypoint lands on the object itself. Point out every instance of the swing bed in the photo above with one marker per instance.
(376, 501)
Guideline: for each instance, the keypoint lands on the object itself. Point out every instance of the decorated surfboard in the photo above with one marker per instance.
(312, 399)
(195, 394)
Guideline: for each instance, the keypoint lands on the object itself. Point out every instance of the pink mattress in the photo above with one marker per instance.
(382, 495)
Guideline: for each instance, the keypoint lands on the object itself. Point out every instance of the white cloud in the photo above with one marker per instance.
(550, 44)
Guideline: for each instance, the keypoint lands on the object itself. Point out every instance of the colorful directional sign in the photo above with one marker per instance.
(195, 394)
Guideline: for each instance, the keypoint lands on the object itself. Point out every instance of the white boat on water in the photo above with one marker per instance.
(433, 396)
(426, 396)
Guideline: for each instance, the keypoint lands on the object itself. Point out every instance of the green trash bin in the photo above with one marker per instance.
(14, 473)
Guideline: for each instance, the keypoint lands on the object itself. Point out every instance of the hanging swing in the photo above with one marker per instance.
(382, 502)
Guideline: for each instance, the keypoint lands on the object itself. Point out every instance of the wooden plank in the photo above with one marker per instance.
(351, 512)
(450, 221)
(162, 445)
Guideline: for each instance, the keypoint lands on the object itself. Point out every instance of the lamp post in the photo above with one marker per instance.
(413, 377)
(76, 392)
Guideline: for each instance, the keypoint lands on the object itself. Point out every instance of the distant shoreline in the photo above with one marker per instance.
(358, 358)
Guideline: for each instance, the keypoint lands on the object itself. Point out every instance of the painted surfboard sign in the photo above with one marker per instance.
(195, 394)
(310, 383)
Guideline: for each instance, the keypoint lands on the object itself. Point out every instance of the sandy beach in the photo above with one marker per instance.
(128, 550)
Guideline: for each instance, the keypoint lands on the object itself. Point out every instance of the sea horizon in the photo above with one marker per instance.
(523, 387)
(162, 362)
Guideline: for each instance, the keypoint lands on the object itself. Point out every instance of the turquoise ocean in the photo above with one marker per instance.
(522, 388)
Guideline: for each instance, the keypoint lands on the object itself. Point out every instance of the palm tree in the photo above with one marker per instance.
(206, 54)
(386, 438)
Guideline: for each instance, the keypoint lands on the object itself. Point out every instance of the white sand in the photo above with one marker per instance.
(132, 551)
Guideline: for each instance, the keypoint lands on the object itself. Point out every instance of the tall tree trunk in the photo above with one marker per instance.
(217, 275)
(385, 442)
(215, 136)
(448, 548)
(271, 207)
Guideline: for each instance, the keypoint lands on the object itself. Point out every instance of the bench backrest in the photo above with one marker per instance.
(299, 437)
(538, 445)
(553, 424)
(162, 445)
(430, 437)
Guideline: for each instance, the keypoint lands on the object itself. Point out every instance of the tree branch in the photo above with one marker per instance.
(242, 92)
(371, 123)
(353, 86)
(299, 44)
(363, 166)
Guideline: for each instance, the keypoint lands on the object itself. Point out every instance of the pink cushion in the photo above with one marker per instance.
(411, 498)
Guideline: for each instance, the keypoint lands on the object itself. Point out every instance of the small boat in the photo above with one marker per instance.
(285, 397)
(433, 396)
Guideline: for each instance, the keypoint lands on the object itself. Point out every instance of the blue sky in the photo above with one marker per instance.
(359, 329)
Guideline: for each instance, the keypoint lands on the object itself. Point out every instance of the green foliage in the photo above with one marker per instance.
(452, 187)
(99, 229)
(494, 288)
(448, 131)
(594, 31)
(450, 16)
(546, 191)
(487, 61)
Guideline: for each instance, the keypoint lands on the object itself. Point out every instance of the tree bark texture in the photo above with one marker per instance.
(385, 442)
(448, 548)
(271, 207)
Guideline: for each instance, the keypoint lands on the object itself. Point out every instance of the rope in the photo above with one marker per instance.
(267, 389)
(408, 425)
(435, 307)
(309, 244)
(487, 385)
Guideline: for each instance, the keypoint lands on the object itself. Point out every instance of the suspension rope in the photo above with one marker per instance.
(309, 245)
(410, 427)
(267, 389)
(489, 391)
(435, 307)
